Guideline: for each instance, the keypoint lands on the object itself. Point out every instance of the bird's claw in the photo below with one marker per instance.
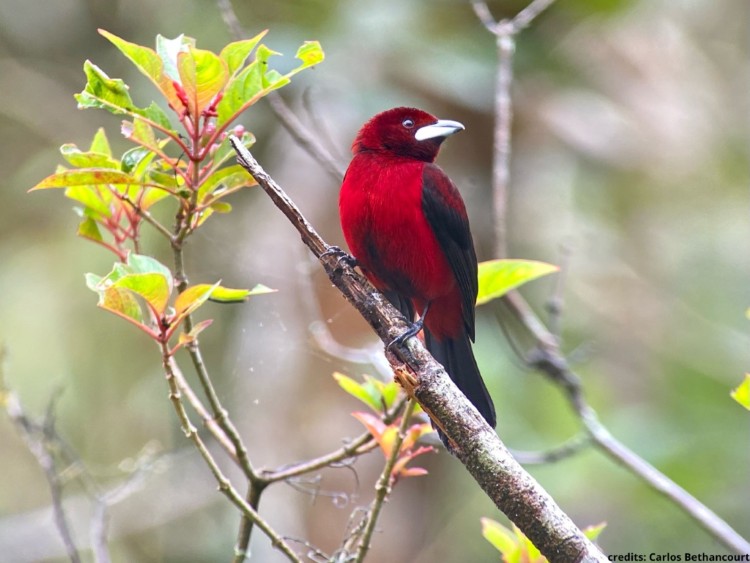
(341, 255)
(413, 330)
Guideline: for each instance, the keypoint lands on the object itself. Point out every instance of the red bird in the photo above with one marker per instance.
(406, 225)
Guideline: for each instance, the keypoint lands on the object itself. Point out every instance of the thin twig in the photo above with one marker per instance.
(383, 486)
(230, 19)
(33, 435)
(556, 302)
(505, 32)
(553, 364)
(224, 484)
(303, 137)
(567, 449)
(360, 445)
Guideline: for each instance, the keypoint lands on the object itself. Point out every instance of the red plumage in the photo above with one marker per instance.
(406, 225)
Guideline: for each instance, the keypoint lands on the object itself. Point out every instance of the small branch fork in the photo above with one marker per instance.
(505, 32)
(513, 490)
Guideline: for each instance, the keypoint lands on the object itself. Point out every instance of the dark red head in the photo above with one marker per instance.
(407, 132)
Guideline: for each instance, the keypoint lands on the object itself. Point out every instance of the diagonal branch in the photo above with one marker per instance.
(478, 447)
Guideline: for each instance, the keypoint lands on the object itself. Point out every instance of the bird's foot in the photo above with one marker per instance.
(341, 256)
(413, 330)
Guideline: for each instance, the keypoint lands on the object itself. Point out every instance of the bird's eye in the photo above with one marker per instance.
(408, 123)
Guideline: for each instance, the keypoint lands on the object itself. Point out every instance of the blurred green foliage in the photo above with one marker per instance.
(630, 149)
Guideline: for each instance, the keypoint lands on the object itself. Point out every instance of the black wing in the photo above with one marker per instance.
(446, 214)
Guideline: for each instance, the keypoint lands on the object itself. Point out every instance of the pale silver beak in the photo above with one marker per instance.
(441, 128)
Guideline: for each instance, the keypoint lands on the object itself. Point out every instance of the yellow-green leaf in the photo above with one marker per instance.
(89, 229)
(192, 298)
(152, 287)
(85, 177)
(80, 159)
(593, 532)
(742, 393)
(310, 53)
(100, 143)
(236, 53)
(104, 92)
(500, 537)
(497, 277)
(357, 390)
(148, 62)
(230, 295)
(202, 75)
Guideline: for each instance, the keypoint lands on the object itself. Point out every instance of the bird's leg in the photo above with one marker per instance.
(342, 256)
(413, 330)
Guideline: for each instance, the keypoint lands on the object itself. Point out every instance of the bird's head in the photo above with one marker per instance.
(406, 132)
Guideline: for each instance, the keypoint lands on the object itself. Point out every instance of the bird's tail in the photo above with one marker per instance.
(458, 360)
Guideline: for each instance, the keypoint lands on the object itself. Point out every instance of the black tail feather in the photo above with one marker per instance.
(457, 357)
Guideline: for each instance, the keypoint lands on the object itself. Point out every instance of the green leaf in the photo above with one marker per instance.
(593, 532)
(100, 143)
(228, 295)
(89, 229)
(531, 552)
(116, 300)
(256, 80)
(228, 178)
(168, 51)
(187, 337)
(140, 276)
(156, 114)
(154, 288)
(235, 54)
(97, 201)
(258, 289)
(192, 298)
(133, 160)
(310, 53)
(500, 537)
(221, 207)
(202, 75)
(149, 63)
(497, 277)
(104, 92)
(742, 393)
(388, 391)
(358, 391)
(225, 151)
(139, 131)
(85, 177)
(81, 159)
(142, 264)
(241, 91)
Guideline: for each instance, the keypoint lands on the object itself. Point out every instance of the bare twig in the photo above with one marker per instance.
(552, 363)
(513, 490)
(303, 137)
(42, 448)
(224, 484)
(383, 486)
(230, 19)
(563, 451)
(208, 420)
(505, 32)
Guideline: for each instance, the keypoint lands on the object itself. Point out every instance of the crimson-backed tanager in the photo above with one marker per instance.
(407, 228)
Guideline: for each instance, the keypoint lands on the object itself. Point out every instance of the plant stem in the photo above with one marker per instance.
(383, 486)
(225, 485)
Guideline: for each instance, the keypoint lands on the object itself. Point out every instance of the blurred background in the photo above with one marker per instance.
(629, 150)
